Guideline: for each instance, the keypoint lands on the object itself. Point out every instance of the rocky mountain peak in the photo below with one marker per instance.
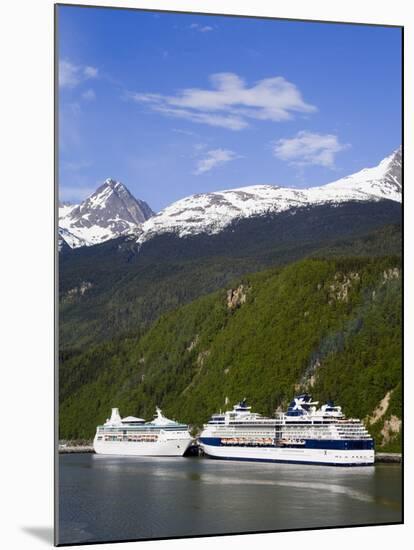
(383, 181)
(394, 169)
(109, 212)
(112, 183)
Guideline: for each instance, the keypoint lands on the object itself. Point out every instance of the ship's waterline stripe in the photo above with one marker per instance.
(347, 445)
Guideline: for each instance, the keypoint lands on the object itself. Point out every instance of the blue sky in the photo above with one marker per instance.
(176, 104)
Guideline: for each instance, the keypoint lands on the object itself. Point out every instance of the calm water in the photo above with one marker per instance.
(112, 498)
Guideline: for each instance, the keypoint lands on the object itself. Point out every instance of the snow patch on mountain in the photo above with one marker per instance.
(68, 238)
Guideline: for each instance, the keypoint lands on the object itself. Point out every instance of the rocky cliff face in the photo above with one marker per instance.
(236, 297)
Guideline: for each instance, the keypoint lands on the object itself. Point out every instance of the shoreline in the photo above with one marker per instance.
(75, 449)
(387, 458)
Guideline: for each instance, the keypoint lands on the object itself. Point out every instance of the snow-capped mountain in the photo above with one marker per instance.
(212, 212)
(111, 211)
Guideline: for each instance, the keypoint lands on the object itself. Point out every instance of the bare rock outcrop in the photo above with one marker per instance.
(340, 288)
(236, 297)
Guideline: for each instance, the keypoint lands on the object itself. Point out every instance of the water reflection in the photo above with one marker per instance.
(115, 498)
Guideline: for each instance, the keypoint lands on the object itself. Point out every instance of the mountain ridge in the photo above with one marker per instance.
(132, 288)
(212, 212)
(93, 222)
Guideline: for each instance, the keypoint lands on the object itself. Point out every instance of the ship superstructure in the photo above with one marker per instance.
(304, 434)
(131, 436)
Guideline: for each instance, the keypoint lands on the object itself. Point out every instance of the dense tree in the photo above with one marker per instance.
(332, 326)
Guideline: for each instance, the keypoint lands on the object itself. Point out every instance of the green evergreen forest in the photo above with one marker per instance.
(329, 325)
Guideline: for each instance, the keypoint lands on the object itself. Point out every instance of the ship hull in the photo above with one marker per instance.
(327, 457)
(175, 447)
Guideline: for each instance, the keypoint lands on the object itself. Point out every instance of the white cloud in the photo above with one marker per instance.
(201, 28)
(224, 121)
(90, 72)
(230, 104)
(89, 95)
(70, 75)
(308, 148)
(214, 158)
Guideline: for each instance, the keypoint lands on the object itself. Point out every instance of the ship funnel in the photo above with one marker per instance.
(115, 416)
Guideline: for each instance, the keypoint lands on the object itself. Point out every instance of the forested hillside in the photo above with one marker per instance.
(110, 289)
(329, 326)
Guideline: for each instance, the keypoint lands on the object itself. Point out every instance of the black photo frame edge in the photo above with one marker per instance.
(56, 269)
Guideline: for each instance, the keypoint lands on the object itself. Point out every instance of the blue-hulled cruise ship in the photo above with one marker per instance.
(303, 434)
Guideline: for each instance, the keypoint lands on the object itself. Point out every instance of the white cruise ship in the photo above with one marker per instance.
(304, 434)
(133, 436)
